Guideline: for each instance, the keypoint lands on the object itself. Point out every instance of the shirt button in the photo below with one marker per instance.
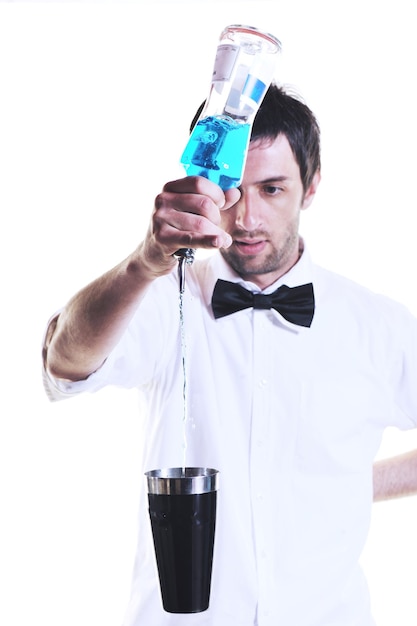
(263, 382)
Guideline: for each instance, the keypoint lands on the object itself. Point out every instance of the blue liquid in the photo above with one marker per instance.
(217, 150)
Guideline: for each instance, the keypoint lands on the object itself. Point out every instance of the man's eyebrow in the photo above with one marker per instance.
(274, 179)
(271, 180)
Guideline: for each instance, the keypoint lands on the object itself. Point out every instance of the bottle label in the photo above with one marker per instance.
(254, 88)
(225, 61)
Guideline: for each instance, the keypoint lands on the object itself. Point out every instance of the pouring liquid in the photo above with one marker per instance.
(182, 262)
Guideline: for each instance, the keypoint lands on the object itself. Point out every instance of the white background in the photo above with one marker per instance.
(95, 103)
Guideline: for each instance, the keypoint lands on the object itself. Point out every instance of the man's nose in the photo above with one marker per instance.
(248, 216)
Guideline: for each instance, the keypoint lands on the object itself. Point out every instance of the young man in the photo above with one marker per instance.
(289, 404)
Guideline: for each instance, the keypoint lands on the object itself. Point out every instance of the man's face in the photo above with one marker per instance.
(264, 223)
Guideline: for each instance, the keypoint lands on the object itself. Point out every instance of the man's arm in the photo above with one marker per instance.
(90, 325)
(395, 477)
(186, 214)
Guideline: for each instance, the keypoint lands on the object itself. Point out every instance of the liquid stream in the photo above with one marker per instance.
(182, 262)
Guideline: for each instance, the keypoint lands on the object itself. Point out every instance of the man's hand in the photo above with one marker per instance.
(187, 214)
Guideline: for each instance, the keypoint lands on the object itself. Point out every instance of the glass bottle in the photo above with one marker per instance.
(243, 70)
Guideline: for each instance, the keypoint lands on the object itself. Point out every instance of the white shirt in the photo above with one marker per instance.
(292, 418)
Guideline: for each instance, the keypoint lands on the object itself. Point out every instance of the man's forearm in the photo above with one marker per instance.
(395, 477)
(91, 324)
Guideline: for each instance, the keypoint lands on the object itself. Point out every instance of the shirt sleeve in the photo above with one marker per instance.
(406, 373)
(58, 388)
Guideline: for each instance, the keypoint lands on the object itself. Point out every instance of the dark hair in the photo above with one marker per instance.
(282, 113)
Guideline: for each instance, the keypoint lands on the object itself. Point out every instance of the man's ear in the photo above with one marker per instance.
(311, 191)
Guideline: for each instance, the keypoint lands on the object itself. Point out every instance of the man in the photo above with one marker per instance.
(290, 406)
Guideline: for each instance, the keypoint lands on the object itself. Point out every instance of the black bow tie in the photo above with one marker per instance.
(295, 304)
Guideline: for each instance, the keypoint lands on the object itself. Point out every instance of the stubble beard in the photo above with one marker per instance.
(277, 262)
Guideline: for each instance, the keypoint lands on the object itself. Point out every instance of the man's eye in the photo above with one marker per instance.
(272, 190)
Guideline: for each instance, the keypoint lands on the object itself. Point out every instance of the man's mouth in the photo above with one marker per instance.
(250, 246)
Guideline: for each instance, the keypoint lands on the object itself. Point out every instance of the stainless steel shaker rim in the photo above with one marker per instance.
(182, 481)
